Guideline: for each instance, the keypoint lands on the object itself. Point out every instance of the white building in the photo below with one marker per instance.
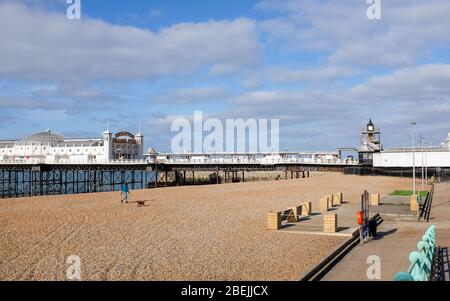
(424, 156)
(49, 147)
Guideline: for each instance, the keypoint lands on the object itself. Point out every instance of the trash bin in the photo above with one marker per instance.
(373, 228)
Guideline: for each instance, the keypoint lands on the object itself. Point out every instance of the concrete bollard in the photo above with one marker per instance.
(330, 201)
(306, 208)
(413, 204)
(374, 200)
(323, 204)
(274, 220)
(330, 223)
(337, 199)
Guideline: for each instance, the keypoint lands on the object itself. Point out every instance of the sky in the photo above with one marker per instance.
(319, 66)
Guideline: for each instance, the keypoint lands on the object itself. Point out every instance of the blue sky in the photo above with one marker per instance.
(321, 67)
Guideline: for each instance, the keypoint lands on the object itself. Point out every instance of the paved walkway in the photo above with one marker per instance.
(396, 241)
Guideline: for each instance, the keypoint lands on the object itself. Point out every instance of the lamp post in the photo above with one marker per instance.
(421, 138)
(413, 125)
(426, 164)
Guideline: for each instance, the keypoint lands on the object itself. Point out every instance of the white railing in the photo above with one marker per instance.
(172, 160)
(73, 162)
(263, 161)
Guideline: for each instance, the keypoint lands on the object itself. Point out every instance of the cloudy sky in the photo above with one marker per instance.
(321, 67)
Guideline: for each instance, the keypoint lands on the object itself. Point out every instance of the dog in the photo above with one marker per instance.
(140, 203)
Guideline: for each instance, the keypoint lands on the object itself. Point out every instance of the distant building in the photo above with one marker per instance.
(49, 147)
(433, 156)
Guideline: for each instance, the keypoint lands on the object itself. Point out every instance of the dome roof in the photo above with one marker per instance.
(45, 138)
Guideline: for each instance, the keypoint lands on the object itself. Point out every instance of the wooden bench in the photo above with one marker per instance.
(377, 218)
(289, 216)
(274, 219)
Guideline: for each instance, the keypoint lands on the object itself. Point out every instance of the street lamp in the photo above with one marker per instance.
(426, 164)
(421, 138)
(413, 125)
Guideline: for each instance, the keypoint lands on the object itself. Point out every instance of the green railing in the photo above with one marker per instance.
(421, 260)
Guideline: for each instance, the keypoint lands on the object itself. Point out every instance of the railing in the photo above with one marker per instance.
(172, 160)
(425, 210)
(421, 260)
(72, 162)
(262, 161)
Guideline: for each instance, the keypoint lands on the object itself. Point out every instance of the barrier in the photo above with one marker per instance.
(425, 209)
(421, 260)
(274, 220)
(414, 204)
(374, 200)
(324, 204)
(330, 222)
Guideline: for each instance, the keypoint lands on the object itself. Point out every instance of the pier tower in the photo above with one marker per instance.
(370, 144)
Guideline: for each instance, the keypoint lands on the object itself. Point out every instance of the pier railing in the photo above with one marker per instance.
(174, 161)
(73, 162)
(421, 260)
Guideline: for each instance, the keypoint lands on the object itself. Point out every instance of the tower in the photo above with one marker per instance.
(370, 143)
(371, 134)
(107, 144)
(140, 143)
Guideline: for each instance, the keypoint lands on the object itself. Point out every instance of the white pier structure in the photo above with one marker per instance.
(308, 158)
(124, 148)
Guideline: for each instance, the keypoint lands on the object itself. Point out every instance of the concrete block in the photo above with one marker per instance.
(306, 208)
(323, 204)
(330, 222)
(337, 200)
(274, 220)
(330, 201)
(413, 204)
(374, 199)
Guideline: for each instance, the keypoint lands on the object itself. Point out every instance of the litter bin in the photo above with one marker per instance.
(373, 228)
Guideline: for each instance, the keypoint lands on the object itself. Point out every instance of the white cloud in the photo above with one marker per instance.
(46, 46)
(426, 83)
(191, 95)
(284, 75)
(406, 31)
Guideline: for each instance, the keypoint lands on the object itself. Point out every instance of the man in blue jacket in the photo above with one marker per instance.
(124, 192)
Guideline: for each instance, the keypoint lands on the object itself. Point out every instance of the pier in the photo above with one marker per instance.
(50, 177)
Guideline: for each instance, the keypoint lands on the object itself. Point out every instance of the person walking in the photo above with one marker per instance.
(124, 193)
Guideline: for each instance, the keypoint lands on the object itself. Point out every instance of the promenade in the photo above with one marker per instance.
(395, 242)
